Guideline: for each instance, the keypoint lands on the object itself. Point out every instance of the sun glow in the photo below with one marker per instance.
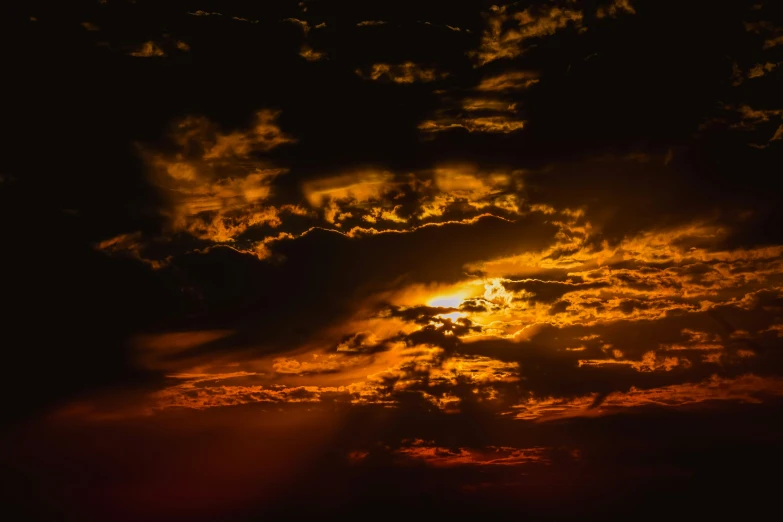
(448, 301)
(453, 316)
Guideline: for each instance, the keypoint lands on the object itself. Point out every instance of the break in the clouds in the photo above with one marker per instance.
(464, 260)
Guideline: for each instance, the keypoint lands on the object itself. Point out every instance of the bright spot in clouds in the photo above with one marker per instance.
(447, 301)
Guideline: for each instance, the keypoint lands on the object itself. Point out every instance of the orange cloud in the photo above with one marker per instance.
(761, 69)
(475, 369)
(359, 187)
(490, 456)
(499, 42)
(407, 72)
(773, 34)
(511, 80)
(617, 7)
(311, 55)
(194, 397)
(489, 124)
(746, 388)
(507, 33)
(375, 197)
(488, 104)
(148, 49)
(216, 185)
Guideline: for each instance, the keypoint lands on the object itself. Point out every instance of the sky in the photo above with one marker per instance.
(338, 259)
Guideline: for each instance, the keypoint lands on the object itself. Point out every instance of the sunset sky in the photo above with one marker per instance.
(283, 260)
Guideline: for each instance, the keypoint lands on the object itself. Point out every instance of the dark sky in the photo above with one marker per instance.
(339, 259)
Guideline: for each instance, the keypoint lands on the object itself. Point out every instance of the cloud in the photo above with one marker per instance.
(200, 12)
(548, 291)
(301, 23)
(407, 72)
(744, 389)
(773, 42)
(306, 50)
(132, 244)
(191, 396)
(760, 69)
(478, 189)
(754, 122)
(148, 49)
(362, 343)
(606, 302)
(773, 35)
(488, 104)
(395, 201)
(311, 297)
(488, 124)
(476, 370)
(360, 187)
(204, 13)
(432, 455)
(508, 81)
(345, 195)
(215, 183)
(751, 118)
(329, 364)
(508, 33)
(615, 8)
(489, 112)
(310, 55)
(455, 369)
(498, 42)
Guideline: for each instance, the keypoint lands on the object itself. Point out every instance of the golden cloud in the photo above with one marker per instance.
(429, 453)
(373, 196)
(488, 104)
(407, 72)
(746, 388)
(216, 184)
(760, 69)
(148, 49)
(311, 55)
(499, 42)
(506, 33)
(511, 80)
(773, 34)
(614, 9)
(489, 124)
(359, 187)
(477, 188)
(474, 369)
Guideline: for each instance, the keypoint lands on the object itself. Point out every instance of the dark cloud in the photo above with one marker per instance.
(547, 291)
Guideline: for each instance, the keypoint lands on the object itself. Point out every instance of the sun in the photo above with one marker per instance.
(447, 301)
